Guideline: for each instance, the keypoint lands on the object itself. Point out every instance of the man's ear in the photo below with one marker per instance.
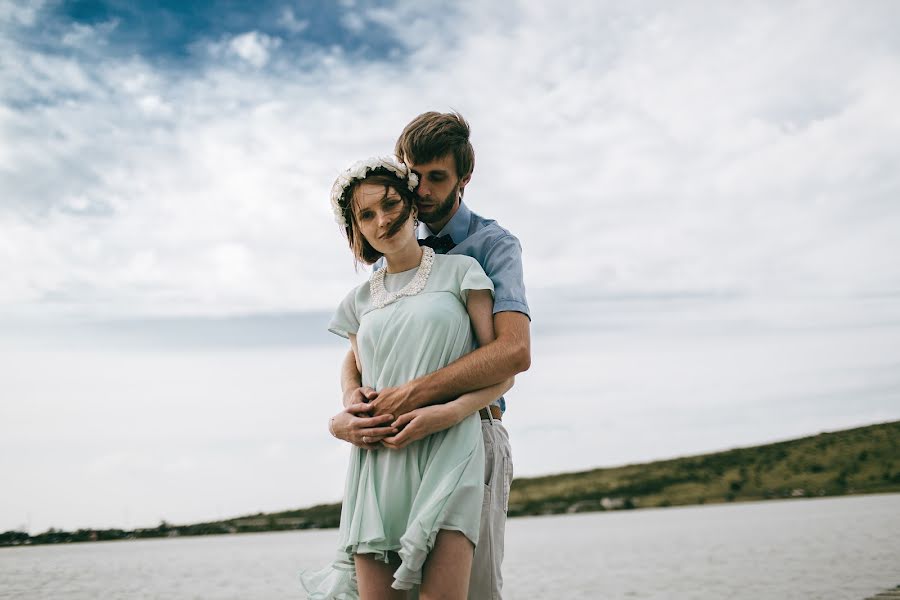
(465, 181)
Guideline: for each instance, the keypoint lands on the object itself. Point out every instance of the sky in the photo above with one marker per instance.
(706, 195)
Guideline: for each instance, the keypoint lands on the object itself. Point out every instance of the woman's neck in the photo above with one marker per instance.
(405, 258)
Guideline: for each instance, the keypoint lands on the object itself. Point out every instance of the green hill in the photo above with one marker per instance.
(855, 461)
(865, 460)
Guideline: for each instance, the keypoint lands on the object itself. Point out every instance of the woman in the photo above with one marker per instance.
(411, 514)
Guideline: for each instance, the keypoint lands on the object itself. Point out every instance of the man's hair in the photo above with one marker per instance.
(363, 251)
(432, 135)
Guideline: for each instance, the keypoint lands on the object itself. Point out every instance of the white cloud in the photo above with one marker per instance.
(19, 13)
(682, 150)
(290, 22)
(353, 21)
(81, 36)
(253, 47)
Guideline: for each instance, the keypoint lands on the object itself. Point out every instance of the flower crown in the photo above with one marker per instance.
(358, 171)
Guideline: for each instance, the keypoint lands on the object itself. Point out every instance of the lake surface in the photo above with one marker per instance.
(829, 548)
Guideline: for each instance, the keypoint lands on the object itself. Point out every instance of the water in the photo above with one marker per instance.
(834, 548)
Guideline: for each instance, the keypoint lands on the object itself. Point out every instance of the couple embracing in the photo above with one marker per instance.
(436, 336)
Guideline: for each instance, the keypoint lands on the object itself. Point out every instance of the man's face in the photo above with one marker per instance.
(438, 190)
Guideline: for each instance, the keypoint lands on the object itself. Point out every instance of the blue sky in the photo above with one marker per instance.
(706, 197)
(170, 33)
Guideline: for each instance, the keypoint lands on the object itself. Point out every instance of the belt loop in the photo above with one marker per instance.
(487, 413)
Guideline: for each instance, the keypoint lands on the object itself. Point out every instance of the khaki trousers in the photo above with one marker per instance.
(485, 581)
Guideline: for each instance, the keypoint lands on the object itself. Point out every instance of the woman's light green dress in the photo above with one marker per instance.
(398, 500)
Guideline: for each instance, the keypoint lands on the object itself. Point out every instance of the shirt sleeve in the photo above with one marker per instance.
(346, 319)
(474, 278)
(503, 264)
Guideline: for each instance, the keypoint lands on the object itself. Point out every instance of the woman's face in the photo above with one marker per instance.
(377, 209)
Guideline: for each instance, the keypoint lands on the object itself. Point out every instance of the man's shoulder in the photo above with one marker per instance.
(489, 230)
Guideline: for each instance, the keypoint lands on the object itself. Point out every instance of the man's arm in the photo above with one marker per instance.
(421, 422)
(508, 355)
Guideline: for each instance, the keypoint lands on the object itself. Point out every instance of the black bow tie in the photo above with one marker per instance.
(441, 244)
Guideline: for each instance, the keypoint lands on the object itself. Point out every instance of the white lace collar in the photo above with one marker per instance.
(381, 297)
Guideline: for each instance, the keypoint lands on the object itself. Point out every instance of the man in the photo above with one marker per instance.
(436, 147)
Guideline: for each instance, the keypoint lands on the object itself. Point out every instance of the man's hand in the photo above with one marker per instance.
(420, 423)
(359, 395)
(393, 400)
(362, 431)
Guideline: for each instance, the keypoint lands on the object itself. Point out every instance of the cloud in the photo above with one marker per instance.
(290, 22)
(667, 151)
(253, 47)
(353, 21)
(81, 36)
(18, 13)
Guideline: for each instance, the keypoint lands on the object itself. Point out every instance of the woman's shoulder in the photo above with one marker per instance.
(460, 262)
(454, 269)
(359, 294)
(452, 266)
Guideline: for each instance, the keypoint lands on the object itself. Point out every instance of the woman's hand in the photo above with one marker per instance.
(355, 426)
(419, 423)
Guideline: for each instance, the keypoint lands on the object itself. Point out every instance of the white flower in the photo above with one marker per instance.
(359, 170)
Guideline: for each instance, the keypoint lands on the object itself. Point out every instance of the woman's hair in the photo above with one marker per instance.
(363, 251)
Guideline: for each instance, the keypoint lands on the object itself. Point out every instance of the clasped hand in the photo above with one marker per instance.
(355, 424)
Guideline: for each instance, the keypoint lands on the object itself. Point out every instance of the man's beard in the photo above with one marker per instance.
(441, 209)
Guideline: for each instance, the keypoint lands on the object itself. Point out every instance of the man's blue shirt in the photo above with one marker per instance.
(496, 249)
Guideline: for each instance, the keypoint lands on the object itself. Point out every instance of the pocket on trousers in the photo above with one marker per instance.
(488, 466)
(488, 461)
(507, 481)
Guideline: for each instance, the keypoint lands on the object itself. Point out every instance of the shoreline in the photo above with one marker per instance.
(517, 517)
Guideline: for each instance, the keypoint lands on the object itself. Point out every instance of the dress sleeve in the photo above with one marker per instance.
(346, 318)
(474, 278)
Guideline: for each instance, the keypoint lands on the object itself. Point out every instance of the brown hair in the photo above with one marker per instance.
(362, 250)
(432, 135)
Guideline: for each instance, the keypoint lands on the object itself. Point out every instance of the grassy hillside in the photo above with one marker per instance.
(855, 461)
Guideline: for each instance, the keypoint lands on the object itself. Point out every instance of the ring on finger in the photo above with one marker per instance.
(365, 440)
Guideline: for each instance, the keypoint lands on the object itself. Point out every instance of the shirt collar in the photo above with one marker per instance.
(457, 227)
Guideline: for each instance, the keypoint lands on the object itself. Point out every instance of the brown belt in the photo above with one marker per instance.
(495, 412)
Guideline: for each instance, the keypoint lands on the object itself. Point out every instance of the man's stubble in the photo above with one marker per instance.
(441, 209)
